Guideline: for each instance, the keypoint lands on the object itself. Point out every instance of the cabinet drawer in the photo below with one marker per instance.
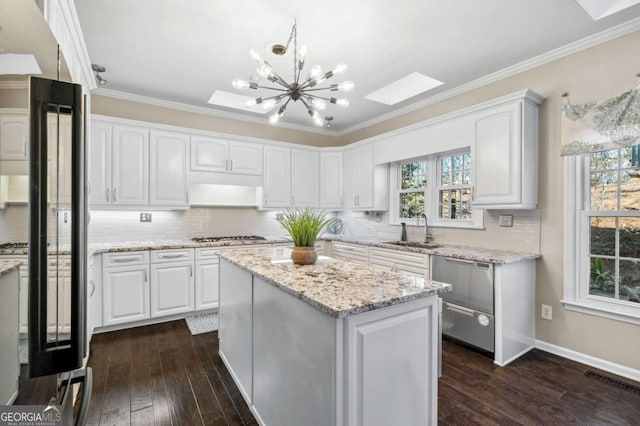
(209, 254)
(130, 258)
(176, 255)
(350, 249)
(414, 259)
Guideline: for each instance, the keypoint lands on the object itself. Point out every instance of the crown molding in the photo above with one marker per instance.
(202, 110)
(544, 58)
(62, 17)
(14, 85)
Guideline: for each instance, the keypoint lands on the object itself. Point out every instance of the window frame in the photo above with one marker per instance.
(577, 256)
(431, 194)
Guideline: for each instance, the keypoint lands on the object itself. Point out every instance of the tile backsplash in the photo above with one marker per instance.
(125, 226)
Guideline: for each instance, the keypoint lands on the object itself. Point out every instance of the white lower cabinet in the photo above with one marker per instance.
(206, 279)
(171, 288)
(125, 287)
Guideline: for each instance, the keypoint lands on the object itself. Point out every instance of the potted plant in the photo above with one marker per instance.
(304, 226)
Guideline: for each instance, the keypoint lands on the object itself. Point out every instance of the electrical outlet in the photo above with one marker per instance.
(505, 220)
(145, 217)
(546, 312)
(279, 216)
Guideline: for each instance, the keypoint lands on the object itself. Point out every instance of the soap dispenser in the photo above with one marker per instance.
(403, 235)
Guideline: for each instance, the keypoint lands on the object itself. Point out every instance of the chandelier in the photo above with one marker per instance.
(305, 91)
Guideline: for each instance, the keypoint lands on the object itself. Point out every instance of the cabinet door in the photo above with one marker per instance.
(209, 154)
(245, 158)
(130, 166)
(351, 178)
(305, 178)
(171, 289)
(125, 294)
(496, 157)
(207, 283)
(14, 137)
(277, 177)
(64, 316)
(99, 153)
(331, 180)
(365, 177)
(168, 174)
(24, 299)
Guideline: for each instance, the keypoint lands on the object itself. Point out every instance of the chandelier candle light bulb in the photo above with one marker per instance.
(296, 90)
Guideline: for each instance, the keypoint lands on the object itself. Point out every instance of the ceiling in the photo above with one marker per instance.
(183, 51)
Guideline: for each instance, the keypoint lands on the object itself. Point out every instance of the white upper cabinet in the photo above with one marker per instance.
(168, 176)
(366, 187)
(209, 154)
(305, 178)
(276, 190)
(331, 186)
(505, 156)
(245, 158)
(99, 170)
(130, 166)
(14, 137)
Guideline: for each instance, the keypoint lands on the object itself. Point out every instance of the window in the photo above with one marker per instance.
(454, 191)
(413, 182)
(606, 246)
(440, 186)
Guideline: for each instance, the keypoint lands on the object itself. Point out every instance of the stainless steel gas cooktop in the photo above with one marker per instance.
(237, 238)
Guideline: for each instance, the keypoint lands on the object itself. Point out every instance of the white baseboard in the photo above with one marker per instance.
(611, 367)
(13, 397)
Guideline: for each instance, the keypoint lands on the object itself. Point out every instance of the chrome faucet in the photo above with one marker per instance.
(427, 234)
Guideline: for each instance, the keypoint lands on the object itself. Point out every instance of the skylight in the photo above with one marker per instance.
(599, 9)
(232, 100)
(15, 64)
(403, 89)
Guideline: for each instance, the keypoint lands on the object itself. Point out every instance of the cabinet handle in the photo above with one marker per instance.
(106, 194)
(231, 163)
(114, 194)
(357, 200)
(171, 256)
(145, 275)
(187, 196)
(355, 203)
(460, 310)
(191, 270)
(473, 193)
(93, 288)
(125, 259)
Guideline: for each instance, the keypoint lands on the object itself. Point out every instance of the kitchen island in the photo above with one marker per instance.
(334, 343)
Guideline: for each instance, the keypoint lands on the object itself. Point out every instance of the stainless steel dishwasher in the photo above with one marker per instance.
(468, 309)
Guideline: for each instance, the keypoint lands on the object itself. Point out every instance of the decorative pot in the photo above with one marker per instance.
(304, 255)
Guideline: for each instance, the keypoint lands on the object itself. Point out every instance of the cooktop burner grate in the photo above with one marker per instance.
(230, 238)
(14, 245)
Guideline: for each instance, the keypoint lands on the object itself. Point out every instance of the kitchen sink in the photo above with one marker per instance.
(416, 244)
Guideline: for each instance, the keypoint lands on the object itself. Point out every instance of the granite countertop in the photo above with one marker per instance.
(176, 244)
(7, 266)
(459, 252)
(339, 288)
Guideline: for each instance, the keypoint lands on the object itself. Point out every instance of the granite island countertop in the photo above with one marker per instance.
(7, 266)
(336, 287)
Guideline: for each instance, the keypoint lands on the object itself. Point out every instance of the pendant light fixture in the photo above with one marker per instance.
(304, 90)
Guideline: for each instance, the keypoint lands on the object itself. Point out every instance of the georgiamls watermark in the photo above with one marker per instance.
(34, 415)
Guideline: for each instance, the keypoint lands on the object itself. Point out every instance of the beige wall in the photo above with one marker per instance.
(137, 111)
(597, 73)
(14, 98)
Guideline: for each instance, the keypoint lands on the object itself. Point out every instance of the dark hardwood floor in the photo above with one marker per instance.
(161, 374)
